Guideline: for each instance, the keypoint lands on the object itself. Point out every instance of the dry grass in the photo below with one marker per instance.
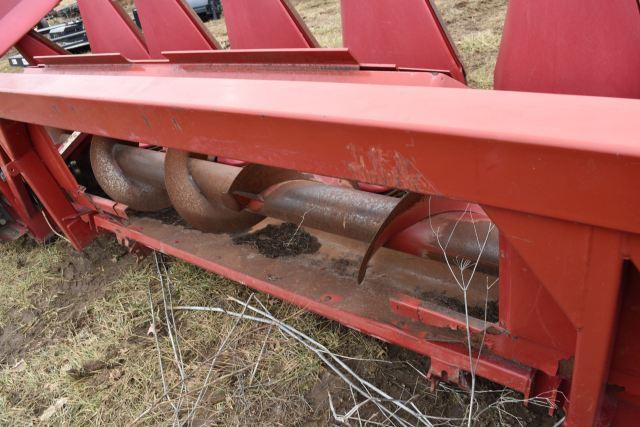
(102, 362)
(21, 286)
(476, 28)
(65, 3)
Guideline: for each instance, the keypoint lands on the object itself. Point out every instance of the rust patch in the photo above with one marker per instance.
(378, 166)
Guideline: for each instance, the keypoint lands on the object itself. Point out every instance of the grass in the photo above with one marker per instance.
(102, 362)
(476, 29)
(21, 286)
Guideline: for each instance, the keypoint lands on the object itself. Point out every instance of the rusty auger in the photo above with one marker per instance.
(220, 198)
(443, 219)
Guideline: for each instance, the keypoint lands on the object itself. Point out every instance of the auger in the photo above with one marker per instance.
(422, 193)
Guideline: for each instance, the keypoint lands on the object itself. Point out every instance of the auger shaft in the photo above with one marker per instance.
(338, 210)
(358, 214)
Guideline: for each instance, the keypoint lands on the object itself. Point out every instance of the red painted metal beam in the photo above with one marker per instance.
(171, 25)
(20, 205)
(406, 33)
(335, 58)
(373, 133)
(596, 334)
(29, 159)
(33, 45)
(265, 24)
(17, 17)
(328, 65)
(110, 30)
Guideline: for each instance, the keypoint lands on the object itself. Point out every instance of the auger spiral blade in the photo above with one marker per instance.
(199, 196)
(130, 175)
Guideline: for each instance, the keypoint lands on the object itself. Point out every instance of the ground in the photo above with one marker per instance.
(77, 339)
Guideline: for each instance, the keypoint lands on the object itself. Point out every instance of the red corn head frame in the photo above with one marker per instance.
(526, 197)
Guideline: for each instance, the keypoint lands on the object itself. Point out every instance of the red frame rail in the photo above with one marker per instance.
(559, 175)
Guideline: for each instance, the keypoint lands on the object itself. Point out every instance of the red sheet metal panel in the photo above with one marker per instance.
(20, 204)
(584, 47)
(110, 30)
(381, 134)
(171, 25)
(33, 45)
(405, 33)
(17, 17)
(265, 24)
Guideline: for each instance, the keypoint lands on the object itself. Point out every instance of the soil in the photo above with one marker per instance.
(474, 311)
(276, 241)
(401, 377)
(345, 267)
(84, 276)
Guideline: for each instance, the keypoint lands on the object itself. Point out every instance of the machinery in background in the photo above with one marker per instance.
(72, 37)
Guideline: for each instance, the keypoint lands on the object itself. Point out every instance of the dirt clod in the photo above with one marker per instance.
(284, 240)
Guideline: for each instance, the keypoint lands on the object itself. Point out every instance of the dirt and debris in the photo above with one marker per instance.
(93, 367)
(403, 374)
(276, 241)
(345, 267)
(457, 305)
(79, 280)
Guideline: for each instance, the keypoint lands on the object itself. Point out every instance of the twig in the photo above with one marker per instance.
(306, 341)
(264, 345)
(299, 225)
(174, 343)
(464, 286)
(44, 214)
(215, 358)
(157, 343)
